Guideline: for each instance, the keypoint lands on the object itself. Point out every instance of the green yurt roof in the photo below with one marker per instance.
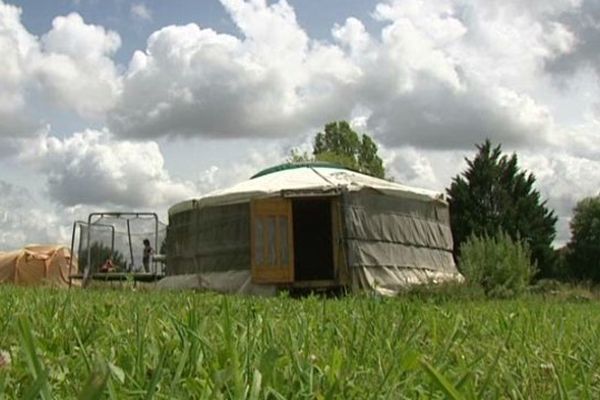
(294, 165)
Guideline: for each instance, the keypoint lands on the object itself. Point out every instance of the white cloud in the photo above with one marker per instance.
(412, 167)
(69, 68)
(442, 74)
(18, 49)
(93, 171)
(92, 168)
(563, 180)
(258, 158)
(272, 82)
(448, 74)
(25, 221)
(141, 12)
(76, 70)
(582, 21)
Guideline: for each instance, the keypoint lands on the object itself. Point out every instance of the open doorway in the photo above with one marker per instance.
(313, 243)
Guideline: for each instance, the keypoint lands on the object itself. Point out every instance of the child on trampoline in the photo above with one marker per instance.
(108, 266)
(148, 252)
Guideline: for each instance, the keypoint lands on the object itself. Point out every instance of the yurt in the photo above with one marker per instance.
(310, 225)
(36, 265)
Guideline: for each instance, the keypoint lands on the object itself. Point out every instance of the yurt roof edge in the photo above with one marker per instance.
(299, 179)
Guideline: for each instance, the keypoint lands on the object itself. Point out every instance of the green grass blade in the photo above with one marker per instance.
(238, 382)
(34, 390)
(441, 381)
(3, 379)
(181, 365)
(33, 361)
(96, 383)
(84, 353)
(157, 374)
(140, 349)
(563, 394)
(494, 364)
(256, 386)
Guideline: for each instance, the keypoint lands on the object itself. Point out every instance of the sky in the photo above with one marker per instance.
(118, 105)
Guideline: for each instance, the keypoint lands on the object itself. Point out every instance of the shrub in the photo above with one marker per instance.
(497, 263)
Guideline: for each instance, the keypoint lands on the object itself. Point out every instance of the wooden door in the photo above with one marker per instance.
(271, 240)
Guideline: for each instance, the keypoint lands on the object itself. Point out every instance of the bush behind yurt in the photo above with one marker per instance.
(497, 263)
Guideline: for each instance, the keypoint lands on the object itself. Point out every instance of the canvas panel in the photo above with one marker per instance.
(380, 254)
(239, 282)
(372, 216)
(209, 239)
(31, 269)
(384, 231)
(8, 264)
(389, 281)
(58, 266)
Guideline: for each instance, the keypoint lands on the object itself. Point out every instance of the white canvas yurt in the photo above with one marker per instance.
(310, 225)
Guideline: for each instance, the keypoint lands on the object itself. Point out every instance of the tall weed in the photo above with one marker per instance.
(497, 263)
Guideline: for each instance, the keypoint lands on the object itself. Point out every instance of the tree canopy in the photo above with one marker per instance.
(493, 194)
(340, 144)
(583, 250)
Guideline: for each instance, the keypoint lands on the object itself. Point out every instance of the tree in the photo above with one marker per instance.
(340, 144)
(583, 250)
(493, 195)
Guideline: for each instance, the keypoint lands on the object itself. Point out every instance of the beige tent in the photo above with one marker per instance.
(36, 265)
(310, 225)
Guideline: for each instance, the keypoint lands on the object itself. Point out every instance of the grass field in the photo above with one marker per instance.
(125, 344)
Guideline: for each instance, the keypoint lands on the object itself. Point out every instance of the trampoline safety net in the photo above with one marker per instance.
(120, 238)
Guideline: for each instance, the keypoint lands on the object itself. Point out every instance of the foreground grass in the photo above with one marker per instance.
(124, 344)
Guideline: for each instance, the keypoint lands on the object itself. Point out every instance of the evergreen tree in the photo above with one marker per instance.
(583, 250)
(493, 195)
